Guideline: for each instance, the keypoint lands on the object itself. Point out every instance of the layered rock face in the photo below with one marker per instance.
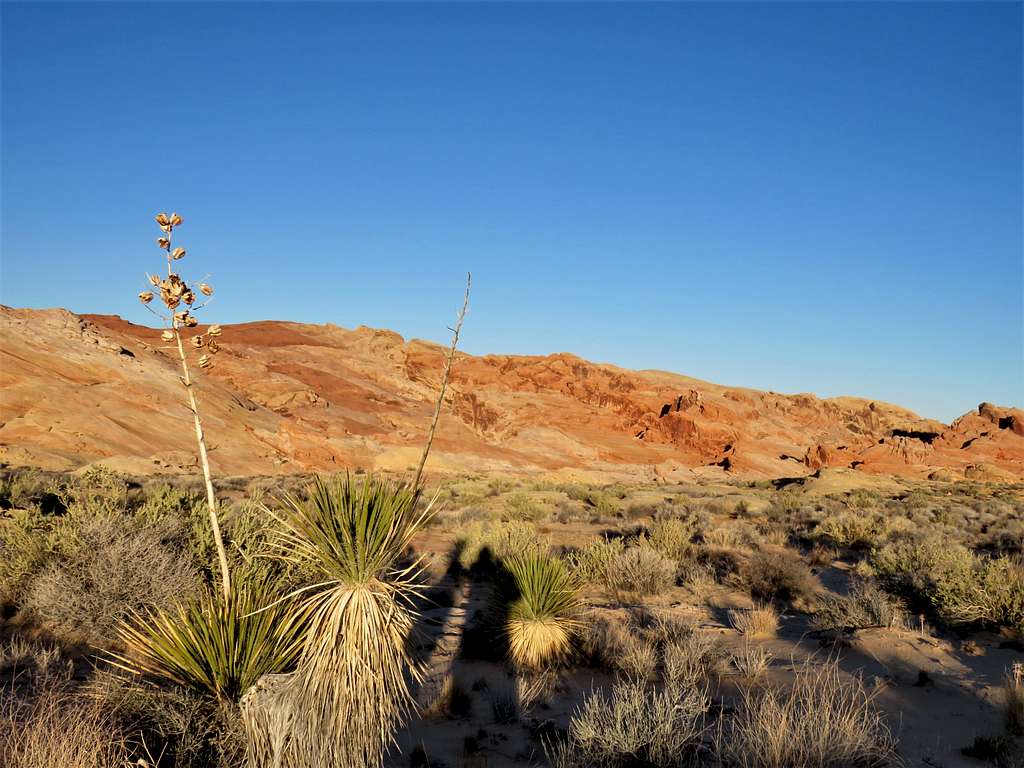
(287, 397)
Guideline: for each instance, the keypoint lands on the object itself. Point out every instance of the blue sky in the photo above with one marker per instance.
(797, 197)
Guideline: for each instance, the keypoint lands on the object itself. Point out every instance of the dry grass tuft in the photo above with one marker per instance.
(760, 621)
(1013, 700)
(690, 660)
(751, 661)
(823, 720)
(634, 725)
(58, 729)
(641, 570)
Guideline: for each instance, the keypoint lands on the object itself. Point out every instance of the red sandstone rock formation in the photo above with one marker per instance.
(287, 397)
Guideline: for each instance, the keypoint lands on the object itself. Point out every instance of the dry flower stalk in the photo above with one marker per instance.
(444, 382)
(173, 293)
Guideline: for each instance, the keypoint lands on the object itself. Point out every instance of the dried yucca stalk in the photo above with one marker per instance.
(174, 293)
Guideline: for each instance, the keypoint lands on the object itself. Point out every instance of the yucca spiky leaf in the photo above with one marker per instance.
(352, 673)
(216, 645)
(543, 609)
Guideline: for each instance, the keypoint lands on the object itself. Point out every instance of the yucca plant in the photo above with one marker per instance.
(350, 690)
(541, 608)
(175, 292)
(216, 645)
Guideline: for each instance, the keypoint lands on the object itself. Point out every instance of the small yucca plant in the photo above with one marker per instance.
(541, 618)
(351, 690)
(216, 645)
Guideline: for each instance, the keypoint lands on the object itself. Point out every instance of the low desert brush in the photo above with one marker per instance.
(542, 613)
(672, 536)
(957, 585)
(640, 570)
(110, 568)
(865, 607)
(823, 719)
(634, 725)
(479, 544)
(593, 562)
(751, 661)
(690, 660)
(56, 728)
(776, 574)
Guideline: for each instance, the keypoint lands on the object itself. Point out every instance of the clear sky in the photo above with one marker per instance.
(798, 197)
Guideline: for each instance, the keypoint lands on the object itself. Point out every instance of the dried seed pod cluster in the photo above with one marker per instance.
(178, 297)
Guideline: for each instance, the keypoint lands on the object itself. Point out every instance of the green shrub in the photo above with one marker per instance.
(522, 507)
(958, 586)
(673, 536)
(22, 489)
(24, 548)
(498, 540)
(593, 562)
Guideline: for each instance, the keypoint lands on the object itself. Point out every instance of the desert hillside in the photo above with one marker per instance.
(289, 397)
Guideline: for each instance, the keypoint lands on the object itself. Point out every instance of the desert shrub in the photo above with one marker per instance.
(849, 529)
(783, 504)
(57, 728)
(729, 536)
(522, 507)
(539, 601)
(109, 569)
(955, 584)
(602, 502)
(31, 665)
(594, 562)
(603, 640)
(672, 536)
(866, 606)
(667, 627)
(821, 556)
(638, 659)
(186, 729)
(641, 570)
(95, 492)
(760, 621)
(776, 574)
(498, 540)
(24, 547)
(822, 720)
(634, 725)
(688, 661)
(22, 489)
(751, 661)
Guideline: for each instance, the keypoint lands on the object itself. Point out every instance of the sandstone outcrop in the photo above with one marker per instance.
(288, 397)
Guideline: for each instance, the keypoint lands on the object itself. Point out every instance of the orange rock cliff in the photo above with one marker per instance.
(289, 397)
